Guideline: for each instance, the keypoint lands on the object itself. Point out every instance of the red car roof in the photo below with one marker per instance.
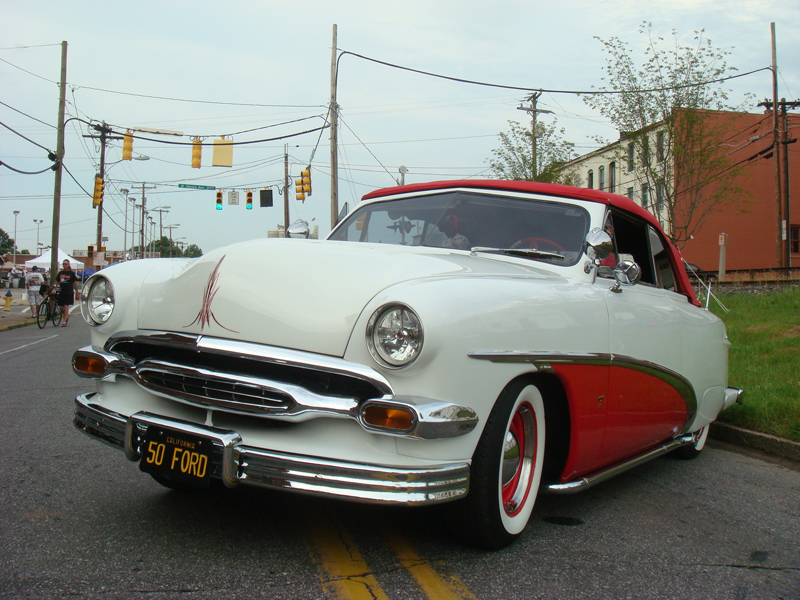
(561, 191)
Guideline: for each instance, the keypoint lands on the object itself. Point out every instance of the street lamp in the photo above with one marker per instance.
(38, 222)
(16, 214)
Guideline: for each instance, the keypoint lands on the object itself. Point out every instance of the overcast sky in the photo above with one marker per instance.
(218, 68)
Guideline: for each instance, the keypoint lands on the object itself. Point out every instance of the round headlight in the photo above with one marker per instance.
(97, 300)
(394, 335)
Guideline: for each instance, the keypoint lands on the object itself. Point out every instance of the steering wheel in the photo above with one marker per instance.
(539, 243)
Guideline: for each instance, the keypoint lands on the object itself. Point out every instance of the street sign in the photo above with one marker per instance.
(196, 187)
(233, 198)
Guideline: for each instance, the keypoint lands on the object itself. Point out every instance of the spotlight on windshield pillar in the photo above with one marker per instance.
(127, 146)
(249, 202)
(197, 151)
(219, 199)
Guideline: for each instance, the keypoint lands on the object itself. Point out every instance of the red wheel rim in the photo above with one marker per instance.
(518, 460)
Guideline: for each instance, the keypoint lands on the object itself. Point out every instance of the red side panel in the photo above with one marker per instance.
(587, 390)
(642, 411)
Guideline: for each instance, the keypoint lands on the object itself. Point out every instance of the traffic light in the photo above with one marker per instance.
(219, 199)
(90, 251)
(197, 151)
(97, 198)
(249, 202)
(127, 146)
(303, 185)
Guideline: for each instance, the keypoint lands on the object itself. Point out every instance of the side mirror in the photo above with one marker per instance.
(598, 244)
(626, 272)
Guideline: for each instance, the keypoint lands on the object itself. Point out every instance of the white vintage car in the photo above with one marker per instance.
(468, 342)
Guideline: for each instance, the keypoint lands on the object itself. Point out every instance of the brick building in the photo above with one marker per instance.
(749, 214)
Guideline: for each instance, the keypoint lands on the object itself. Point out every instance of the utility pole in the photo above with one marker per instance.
(171, 227)
(160, 210)
(787, 206)
(286, 190)
(777, 150)
(534, 111)
(103, 137)
(59, 162)
(334, 111)
(141, 233)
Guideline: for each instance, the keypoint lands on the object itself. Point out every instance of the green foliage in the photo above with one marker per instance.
(661, 104)
(6, 243)
(513, 160)
(193, 251)
(764, 361)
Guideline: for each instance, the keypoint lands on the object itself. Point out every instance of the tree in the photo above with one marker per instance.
(662, 110)
(513, 159)
(6, 242)
(192, 251)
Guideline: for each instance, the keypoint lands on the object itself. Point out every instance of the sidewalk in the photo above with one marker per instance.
(14, 318)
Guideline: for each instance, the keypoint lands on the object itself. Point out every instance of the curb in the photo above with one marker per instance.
(17, 325)
(770, 444)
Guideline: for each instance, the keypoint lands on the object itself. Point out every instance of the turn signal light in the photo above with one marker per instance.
(89, 365)
(389, 417)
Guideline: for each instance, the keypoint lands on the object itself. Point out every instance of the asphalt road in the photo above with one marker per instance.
(79, 520)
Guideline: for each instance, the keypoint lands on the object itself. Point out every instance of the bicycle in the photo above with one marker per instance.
(48, 311)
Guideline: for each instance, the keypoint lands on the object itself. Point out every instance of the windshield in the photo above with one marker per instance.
(464, 220)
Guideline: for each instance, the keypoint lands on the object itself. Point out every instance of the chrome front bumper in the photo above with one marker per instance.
(235, 463)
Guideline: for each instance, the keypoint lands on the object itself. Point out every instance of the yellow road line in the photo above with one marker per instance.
(433, 585)
(344, 574)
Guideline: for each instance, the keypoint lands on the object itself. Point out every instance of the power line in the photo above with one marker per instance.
(532, 89)
(27, 115)
(7, 166)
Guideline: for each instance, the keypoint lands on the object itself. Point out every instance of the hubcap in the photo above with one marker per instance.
(519, 457)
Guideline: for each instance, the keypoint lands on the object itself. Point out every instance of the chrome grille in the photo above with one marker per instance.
(245, 378)
(209, 388)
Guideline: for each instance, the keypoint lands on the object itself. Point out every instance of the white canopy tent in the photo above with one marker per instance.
(43, 261)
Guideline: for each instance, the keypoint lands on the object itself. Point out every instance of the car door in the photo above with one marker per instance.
(648, 399)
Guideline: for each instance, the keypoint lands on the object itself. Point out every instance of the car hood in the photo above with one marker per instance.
(298, 294)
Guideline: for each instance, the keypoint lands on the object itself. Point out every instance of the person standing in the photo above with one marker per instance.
(33, 282)
(67, 291)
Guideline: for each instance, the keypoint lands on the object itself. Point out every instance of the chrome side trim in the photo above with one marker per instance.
(583, 483)
(542, 360)
(248, 465)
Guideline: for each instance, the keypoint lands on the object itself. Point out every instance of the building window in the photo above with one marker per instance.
(630, 193)
(659, 197)
(602, 177)
(794, 231)
(645, 152)
(630, 157)
(590, 180)
(660, 146)
(645, 195)
(612, 177)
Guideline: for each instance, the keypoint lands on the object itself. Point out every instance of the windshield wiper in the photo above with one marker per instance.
(523, 252)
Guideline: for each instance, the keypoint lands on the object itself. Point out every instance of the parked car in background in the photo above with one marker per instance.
(462, 342)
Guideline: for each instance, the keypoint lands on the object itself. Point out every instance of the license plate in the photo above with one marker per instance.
(181, 457)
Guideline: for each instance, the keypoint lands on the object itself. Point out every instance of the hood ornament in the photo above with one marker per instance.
(205, 314)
